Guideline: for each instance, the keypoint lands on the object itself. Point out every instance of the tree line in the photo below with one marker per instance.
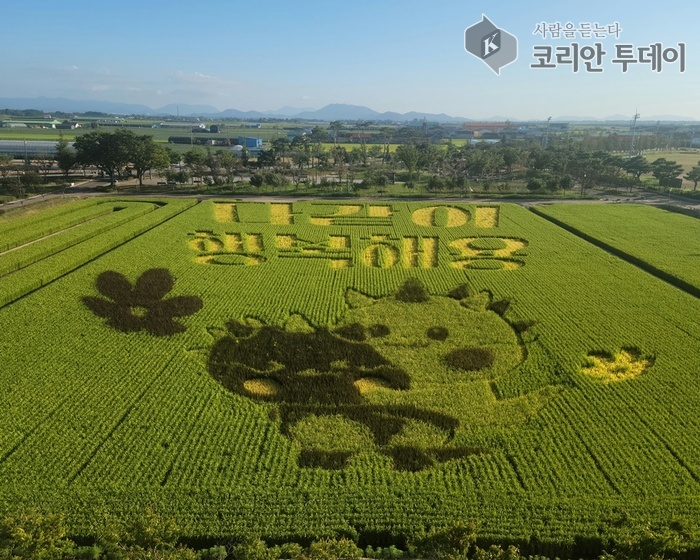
(33, 535)
(308, 159)
(452, 167)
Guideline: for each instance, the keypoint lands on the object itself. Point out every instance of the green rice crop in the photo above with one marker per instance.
(663, 241)
(304, 398)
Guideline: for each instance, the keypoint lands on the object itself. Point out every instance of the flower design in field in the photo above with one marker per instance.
(142, 306)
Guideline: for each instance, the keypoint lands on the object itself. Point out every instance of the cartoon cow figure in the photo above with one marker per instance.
(363, 371)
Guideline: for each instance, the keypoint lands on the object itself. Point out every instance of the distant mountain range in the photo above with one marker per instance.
(327, 113)
(625, 118)
(332, 112)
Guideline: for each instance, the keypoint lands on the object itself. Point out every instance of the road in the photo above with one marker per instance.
(637, 196)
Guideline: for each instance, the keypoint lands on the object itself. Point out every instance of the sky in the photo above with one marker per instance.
(393, 55)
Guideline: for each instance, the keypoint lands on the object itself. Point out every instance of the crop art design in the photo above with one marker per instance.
(623, 365)
(355, 387)
(144, 305)
(250, 235)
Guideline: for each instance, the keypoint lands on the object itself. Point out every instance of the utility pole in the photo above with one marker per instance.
(634, 130)
(545, 138)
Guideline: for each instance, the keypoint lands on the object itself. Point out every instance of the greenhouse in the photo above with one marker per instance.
(21, 149)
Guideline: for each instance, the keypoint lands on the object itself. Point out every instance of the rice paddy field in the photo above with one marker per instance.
(664, 242)
(305, 369)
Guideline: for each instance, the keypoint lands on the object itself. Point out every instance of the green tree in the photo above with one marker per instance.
(495, 552)
(30, 178)
(196, 161)
(215, 170)
(148, 535)
(35, 536)
(145, 154)
(319, 157)
(636, 166)
(435, 183)
(13, 186)
(409, 156)
(339, 155)
(267, 158)
(300, 142)
(375, 176)
(538, 159)
(300, 158)
(694, 176)
(162, 159)
(229, 163)
(65, 156)
(666, 171)
(245, 156)
(173, 156)
(511, 157)
(318, 135)
(596, 168)
(427, 156)
(280, 146)
(5, 164)
(177, 177)
(335, 126)
(387, 133)
(257, 180)
(476, 162)
(44, 162)
(332, 549)
(110, 152)
(452, 543)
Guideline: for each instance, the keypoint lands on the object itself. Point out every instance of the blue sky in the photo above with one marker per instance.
(388, 55)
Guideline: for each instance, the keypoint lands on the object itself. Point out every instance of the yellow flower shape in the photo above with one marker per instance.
(625, 364)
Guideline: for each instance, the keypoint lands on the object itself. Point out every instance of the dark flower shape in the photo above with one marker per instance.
(141, 306)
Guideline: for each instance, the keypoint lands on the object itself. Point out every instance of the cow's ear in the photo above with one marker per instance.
(478, 302)
(297, 323)
(500, 306)
(356, 299)
(412, 291)
(217, 332)
(459, 292)
(238, 329)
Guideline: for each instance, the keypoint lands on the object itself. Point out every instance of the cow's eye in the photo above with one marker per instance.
(437, 333)
(354, 331)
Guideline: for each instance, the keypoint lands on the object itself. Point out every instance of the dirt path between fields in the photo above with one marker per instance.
(636, 197)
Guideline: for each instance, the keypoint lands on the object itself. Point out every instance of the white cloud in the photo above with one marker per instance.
(200, 78)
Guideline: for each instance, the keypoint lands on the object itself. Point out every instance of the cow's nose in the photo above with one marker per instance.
(471, 358)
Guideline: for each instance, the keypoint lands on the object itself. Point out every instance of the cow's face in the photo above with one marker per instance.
(389, 368)
(441, 340)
